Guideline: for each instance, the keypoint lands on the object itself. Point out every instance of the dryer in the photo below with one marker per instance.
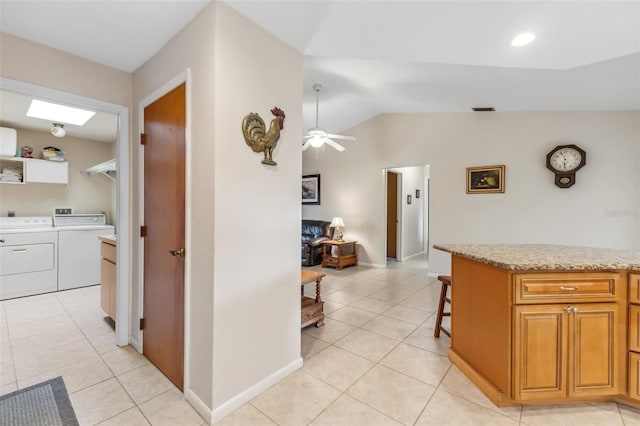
(79, 248)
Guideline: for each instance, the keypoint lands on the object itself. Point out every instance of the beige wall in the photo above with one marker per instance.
(595, 212)
(86, 194)
(257, 209)
(33, 63)
(240, 290)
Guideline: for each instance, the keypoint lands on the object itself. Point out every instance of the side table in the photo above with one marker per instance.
(312, 310)
(346, 254)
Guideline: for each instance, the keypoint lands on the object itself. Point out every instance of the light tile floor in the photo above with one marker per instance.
(375, 362)
(65, 334)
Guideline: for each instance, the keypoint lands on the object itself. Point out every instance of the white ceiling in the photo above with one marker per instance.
(13, 113)
(377, 56)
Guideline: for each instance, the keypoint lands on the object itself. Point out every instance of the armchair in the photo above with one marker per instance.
(314, 232)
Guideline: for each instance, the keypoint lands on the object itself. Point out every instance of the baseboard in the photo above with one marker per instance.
(413, 255)
(237, 401)
(372, 265)
(198, 404)
(135, 344)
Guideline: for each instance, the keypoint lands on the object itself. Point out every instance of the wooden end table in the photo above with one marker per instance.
(312, 310)
(346, 256)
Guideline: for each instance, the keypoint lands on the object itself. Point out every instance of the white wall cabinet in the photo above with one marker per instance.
(37, 171)
(44, 171)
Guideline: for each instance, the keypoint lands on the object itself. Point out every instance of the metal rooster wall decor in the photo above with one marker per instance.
(258, 138)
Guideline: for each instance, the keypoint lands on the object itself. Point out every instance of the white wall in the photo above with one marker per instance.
(412, 215)
(257, 209)
(532, 210)
(245, 216)
(87, 194)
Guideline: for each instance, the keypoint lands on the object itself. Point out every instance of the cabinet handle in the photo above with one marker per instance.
(575, 310)
(19, 250)
(1, 241)
(568, 288)
(568, 309)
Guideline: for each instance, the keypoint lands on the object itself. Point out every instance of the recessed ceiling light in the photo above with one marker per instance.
(59, 113)
(523, 39)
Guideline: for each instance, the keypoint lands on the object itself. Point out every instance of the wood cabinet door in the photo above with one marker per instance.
(634, 376)
(593, 351)
(634, 328)
(634, 288)
(540, 352)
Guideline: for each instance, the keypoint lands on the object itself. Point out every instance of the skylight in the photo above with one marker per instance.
(59, 113)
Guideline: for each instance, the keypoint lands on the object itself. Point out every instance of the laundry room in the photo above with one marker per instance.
(57, 197)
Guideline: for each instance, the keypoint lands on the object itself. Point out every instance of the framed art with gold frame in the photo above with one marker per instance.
(485, 179)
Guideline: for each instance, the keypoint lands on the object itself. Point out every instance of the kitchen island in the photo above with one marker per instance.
(546, 324)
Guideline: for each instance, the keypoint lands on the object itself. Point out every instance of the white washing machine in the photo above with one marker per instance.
(79, 248)
(28, 256)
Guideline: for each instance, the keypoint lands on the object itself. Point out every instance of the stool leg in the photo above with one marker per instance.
(443, 296)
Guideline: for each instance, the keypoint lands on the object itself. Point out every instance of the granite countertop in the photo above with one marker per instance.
(543, 257)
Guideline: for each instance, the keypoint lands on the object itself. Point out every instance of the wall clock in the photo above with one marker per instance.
(565, 161)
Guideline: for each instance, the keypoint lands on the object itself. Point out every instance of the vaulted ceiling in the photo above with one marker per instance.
(377, 56)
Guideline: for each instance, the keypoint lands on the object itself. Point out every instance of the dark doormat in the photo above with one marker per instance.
(44, 404)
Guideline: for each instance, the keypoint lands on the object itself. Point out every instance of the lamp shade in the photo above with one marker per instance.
(337, 221)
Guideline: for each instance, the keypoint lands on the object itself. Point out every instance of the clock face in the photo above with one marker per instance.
(565, 159)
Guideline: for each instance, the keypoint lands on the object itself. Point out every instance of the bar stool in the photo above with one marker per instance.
(446, 283)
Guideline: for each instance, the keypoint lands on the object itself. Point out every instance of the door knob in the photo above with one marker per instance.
(179, 252)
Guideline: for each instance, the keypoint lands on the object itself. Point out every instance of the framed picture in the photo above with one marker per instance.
(311, 189)
(485, 180)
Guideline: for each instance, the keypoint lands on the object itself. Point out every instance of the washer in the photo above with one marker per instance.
(28, 256)
(79, 248)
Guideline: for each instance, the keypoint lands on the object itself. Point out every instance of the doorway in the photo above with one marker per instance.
(407, 215)
(392, 215)
(123, 258)
(164, 235)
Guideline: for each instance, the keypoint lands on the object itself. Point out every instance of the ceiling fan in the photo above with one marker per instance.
(317, 137)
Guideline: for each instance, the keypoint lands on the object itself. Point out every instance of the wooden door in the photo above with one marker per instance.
(392, 214)
(593, 354)
(540, 352)
(164, 216)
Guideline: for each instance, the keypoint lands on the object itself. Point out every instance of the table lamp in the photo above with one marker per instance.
(338, 224)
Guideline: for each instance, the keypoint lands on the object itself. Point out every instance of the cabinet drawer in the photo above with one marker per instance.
(570, 288)
(634, 288)
(108, 252)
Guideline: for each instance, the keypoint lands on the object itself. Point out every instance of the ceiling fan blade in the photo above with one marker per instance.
(345, 137)
(334, 144)
(307, 137)
(306, 145)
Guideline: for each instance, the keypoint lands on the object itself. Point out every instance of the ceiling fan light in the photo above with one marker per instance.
(58, 130)
(316, 142)
(523, 39)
